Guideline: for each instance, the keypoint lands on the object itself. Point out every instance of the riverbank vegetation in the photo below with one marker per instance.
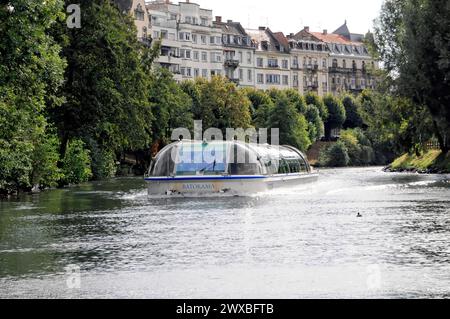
(75, 103)
(433, 161)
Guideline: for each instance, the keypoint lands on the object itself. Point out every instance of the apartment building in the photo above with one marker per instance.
(238, 52)
(136, 8)
(193, 44)
(272, 69)
(199, 46)
(349, 61)
(309, 62)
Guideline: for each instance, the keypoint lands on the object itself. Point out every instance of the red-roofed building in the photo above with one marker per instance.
(348, 59)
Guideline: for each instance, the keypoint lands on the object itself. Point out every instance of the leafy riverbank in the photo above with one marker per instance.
(431, 162)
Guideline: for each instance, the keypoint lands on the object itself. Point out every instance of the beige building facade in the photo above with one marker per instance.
(194, 44)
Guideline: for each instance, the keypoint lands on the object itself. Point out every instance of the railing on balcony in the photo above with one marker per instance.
(273, 66)
(234, 80)
(336, 69)
(231, 63)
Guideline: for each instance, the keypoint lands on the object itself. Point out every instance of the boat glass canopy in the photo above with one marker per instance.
(196, 158)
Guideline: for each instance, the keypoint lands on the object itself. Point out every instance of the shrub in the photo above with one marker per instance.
(76, 163)
(334, 156)
(46, 172)
(103, 164)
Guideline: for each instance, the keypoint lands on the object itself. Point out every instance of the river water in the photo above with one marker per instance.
(109, 240)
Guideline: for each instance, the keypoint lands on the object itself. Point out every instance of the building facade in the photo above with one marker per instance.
(194, 44)
(309, 63)
(272, 57)
(238, 52)
(349, 61)
(198, 47)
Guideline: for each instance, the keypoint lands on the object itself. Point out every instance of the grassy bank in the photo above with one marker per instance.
(430, 162)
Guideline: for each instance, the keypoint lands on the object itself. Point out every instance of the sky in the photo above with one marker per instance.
(290, 16)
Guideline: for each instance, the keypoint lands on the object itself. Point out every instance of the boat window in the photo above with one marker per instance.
(284, 167)
(201, 159)
(243, 161)
(164, 164)
(294, 165)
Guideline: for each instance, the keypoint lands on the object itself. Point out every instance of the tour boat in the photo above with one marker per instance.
(230, 168)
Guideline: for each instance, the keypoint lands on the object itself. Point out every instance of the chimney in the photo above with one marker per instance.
(306, 29)
(218, 19)
(325, 31)
(291, 35)
(262, 28)
(230, 21)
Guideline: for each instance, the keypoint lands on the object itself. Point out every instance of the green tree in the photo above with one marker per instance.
(106, 86)
(171, 107)
(31, 72)
(293, 127)
(353, 118)
(336, 114)
(412, 39)
(312, 98)
(76, 163)
(261, 106)
(316, 127)
(219, 103)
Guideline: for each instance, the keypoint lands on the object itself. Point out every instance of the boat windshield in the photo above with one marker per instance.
(201, 159)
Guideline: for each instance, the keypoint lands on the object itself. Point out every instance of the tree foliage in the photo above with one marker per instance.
(412, 37)
(31, 71)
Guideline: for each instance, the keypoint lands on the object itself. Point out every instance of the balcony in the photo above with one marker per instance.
(313, 85)
(273, 66)
(336, 69)
(231, 63)
(234, 80)
(296, 67)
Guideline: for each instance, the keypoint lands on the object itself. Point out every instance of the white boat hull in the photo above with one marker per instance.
(224, 185)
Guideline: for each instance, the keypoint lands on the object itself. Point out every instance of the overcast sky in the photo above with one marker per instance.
(292, 15)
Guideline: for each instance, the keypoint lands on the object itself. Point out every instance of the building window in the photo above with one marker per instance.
(189, 72)
(344, 64)
(240, 57)
(260, 62)
(272, 79)
(183, 71)
(196, 55)
(139, 13)
(324, 63)
(272, 63)
(335, 63)
(204, 73)
(204, 56)
(194, 38)
(249, 57)
(260, 78)
(285, 79)
(249, 75)
(204, 21)
(203, 39)
(285, 64)
(241, 75)
(212, 40)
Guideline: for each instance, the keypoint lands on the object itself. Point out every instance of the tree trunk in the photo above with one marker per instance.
(442, 141)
